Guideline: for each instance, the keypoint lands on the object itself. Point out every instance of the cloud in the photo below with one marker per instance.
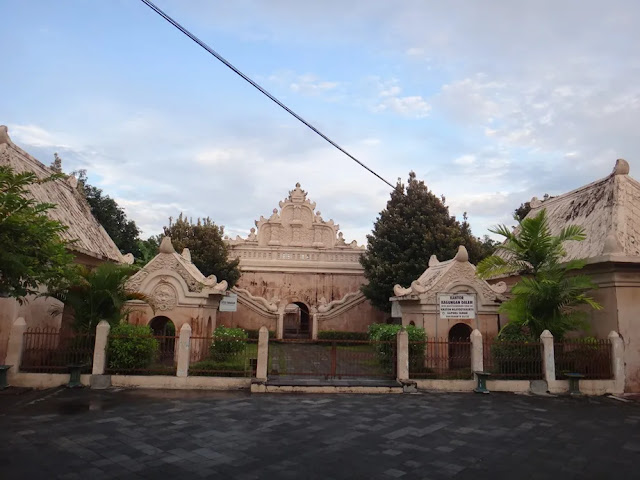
(310, 85)
(391, 100)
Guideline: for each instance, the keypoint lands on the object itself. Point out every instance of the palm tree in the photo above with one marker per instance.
(98, 294)
(549, 296)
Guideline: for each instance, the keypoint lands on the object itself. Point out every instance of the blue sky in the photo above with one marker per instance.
(490, 103)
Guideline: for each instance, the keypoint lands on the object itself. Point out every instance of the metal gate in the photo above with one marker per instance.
(332, 359)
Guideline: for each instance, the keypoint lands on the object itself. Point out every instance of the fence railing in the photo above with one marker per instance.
(332, 359)
(440, 358)
(513, 360)
(141, 355)
(48, 350)
(590, 357)
(222, 357)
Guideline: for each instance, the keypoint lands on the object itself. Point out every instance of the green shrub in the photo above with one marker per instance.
(131, 347)
(338, 335)
(516, 352)
(254, 334)
(215, 368)
(383, 333)
(227, 342)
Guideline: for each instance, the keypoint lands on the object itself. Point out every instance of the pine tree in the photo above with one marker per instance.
(208, 250)
(415, 225)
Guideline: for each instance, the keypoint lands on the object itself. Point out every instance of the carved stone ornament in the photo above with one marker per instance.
(164, 297)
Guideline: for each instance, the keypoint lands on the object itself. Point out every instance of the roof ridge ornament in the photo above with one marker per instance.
(166, 246)
(4, 135)
(621, 167)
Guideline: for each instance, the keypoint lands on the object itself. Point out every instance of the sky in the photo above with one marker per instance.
(490, 103)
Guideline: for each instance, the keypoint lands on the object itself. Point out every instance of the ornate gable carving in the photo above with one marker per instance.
(296, 224)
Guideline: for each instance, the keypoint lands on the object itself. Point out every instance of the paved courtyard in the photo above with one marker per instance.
(86, 434)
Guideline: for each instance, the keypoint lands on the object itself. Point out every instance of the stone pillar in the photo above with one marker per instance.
(263, 354)
(14, 347)
(617, 360)
(477, 353)
(280, 326)
(314, 327)
(548, 358)
(100, 348)
(402, 355)
(184, 350)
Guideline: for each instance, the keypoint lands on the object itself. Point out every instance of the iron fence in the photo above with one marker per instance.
(440, 358)
(141, 355)
(49, 350)
(223, 357)
(513, 360)
(332, 359)
(589, 357)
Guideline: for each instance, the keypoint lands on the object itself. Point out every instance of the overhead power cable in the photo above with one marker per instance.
(257, 86)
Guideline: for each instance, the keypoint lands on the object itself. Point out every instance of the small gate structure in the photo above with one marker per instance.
(332, 359)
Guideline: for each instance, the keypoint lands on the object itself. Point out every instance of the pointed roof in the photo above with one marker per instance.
(609, 211)
(168, 259)
(439, 277)
(71, 208)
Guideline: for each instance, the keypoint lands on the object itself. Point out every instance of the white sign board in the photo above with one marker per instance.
(229, 302)
(457, 305)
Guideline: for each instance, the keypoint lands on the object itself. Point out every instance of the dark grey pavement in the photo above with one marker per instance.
(158, 434)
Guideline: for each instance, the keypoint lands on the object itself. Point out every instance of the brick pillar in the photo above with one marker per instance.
(402, 355)
(548, 358)
(100, 348)
(263, 354)
(184, 350)
(617, 360)
(14, 347)
(477, 359)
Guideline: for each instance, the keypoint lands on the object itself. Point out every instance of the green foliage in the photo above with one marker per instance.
(32, 252)
(254, 334)
(384, 336)
(123, 232)
(209, 252)
(339, 335)
(414, 225)
(148, 249)
(131, 347)
(227, 342)
(98, 294)
(550, 294)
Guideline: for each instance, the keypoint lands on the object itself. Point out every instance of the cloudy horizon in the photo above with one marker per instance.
(490, 103)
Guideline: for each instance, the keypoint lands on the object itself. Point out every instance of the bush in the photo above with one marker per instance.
(516, 352)
(131, 347)
(254, 334)
(383, 334)
(338, 335)
(227, 342)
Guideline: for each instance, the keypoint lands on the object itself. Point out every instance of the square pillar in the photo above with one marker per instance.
(617, 360)
(477, 359)
(184, 350)
(100, 347)
(402, 355)
(263, 354)
(548, 358)
(15, 346)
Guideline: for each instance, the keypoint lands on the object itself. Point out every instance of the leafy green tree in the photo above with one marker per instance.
(550, 295)
(31, 251)
(148, 249)
(123, 232)
(98, 294)
(415, 225)
(208, 250)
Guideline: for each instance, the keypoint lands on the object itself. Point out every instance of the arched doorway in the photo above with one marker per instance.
(296, 321)
(460, 346)
(165, 331)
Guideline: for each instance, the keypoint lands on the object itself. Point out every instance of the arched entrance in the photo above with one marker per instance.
(296, 321)
(165, 331)
(460, 346)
